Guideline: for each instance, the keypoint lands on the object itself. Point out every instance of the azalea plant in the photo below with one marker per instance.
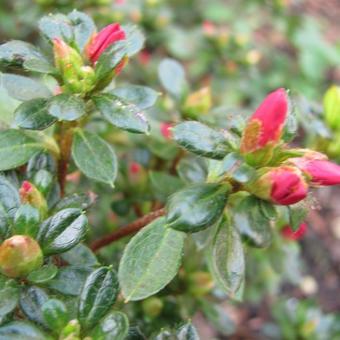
(180, 187)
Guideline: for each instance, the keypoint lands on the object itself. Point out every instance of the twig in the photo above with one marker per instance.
(129, 229)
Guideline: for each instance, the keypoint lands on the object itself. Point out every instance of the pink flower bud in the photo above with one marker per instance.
(29, 194)
(104, 39)
(165, 129)
(288, 233)
(266, 124)
(318, 171)
(19, 255)
(209, 28)
(135, 168)
(61, 49)
(144, 57)
(284, 185)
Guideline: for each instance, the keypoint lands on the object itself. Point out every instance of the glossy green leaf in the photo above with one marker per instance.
(201, 139)
(134, 39)
(43, 274)
(94, 157)
(39, 161)
(31, 300)
(114, 326)
(9, 197)
(188, 332)
(79, 201)
(9, 296)
(26, 221)
(172, 77)
(81, 256)
(33, 115)
(192, 169)
(55, 314)
(97, 296)
(66, 107)
(24, 88)
(251, 222)
(226, 258)
(142, 96)
(44, 181)
(150, 260)
(197, 207)
(121, 114)
(16, 148)
(54, 26)
(16, 330)
(62, 231)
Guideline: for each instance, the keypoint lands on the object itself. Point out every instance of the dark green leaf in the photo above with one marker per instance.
(226, 258)
(33, 115)
(66, 107)
(121, 114)
(150, 260)
(24, 88)
(43, 274)
(94, 157)
(55, 314)
(192, 169)
(79, 201)
(97, 296)
(62, 231)
(41, 160)
(43, 180)
(81, 256)
(9, 296)
(114, 326)
(172, 77)
(26, 221)
(9, 197)
(142, 96)
(20, 330)
(201, 139)
(134, 39)
(187, 332)
(31, 300)
(56, 26)
(196, 207)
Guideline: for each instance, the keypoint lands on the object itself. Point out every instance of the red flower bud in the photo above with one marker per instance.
(104, 39)
(319, 171)
(284, 185)
(19, 255)
(135, 168)
(165, 129)
(288, 233)
(29, 194)
(266, 124)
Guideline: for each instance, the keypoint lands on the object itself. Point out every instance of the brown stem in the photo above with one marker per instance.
(129, 229)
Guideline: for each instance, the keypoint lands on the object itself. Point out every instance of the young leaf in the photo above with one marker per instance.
(62, 231)
(134, 39)
(24, 88)
(22, 330)
(172, 77)
(197, 207)
(150, 260)
(33, 115)
(142, 96)
(9, 296)
(114, 326)
(94, 157)
(201, 139)
(55, 314)
(226, 258)
(43, 274)
(56, 26)
(66, 107)
(97, 296)
(16, 148)
(120, 114)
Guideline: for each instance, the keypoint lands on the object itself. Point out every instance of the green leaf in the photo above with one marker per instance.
(226, 258)
(16, 52)
(66, 107)
(56, 26)
(55, 314)
(97, 296)
(9, 197)
(31, 300)
(121, 114)
(79, 201)
(196, 207)
(83, 28)
(39, 65)
(43, 274)
(69, 280)
(33, 115)
(114, 326)
(150, 260)
(172, 77)
(16, 148)
(297, 214)
(331, 104)
(81, 256)
(163, 184)
(9, 296)
(201, 139)
(16, 330)
(134, 39)
(94, 157)
(192, 169)
(187, 332)
(251, 222)
(26, 221)
(142, 96)
(24, 88)
(62, 231)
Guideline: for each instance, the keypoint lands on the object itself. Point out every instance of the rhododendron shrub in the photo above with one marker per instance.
(174, 182)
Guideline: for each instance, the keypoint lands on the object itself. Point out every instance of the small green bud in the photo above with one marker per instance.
(71, 331)
(198, 103)
(152, 307)
(200, 283)
(19, 255)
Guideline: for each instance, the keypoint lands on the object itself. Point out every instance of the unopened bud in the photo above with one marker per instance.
(29, 194)
(200, 283)
(152, 307)
(198, 103)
